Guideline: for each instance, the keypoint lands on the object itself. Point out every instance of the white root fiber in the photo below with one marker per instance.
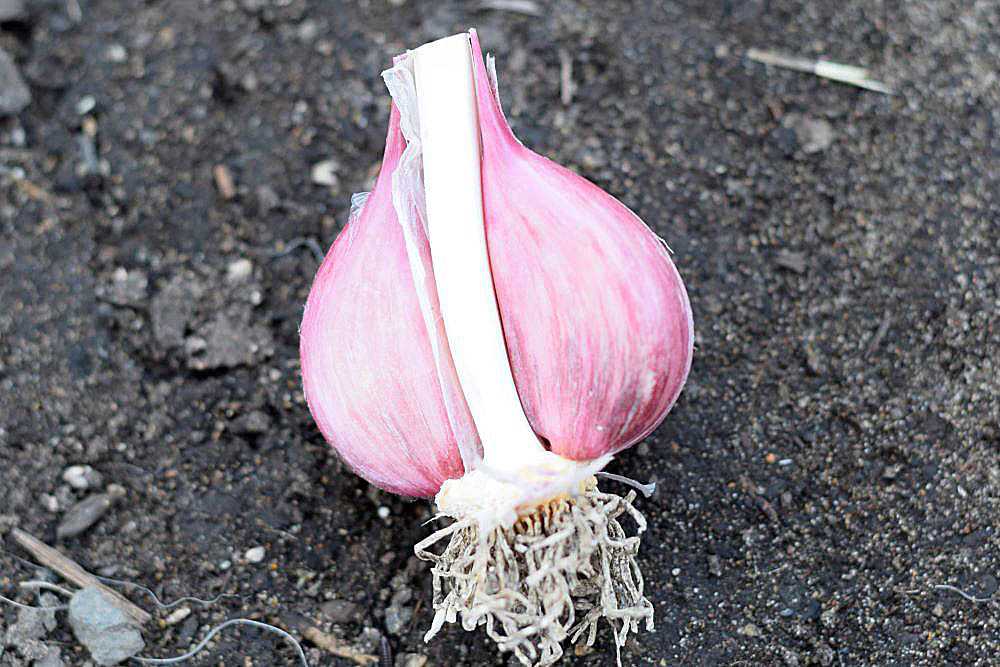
(551, 576)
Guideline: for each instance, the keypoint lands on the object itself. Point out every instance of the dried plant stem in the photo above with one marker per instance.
(72, 572)
(551, 576)
(334, 646)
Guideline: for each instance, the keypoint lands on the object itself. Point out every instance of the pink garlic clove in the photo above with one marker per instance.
(368, 366)
(596, 319)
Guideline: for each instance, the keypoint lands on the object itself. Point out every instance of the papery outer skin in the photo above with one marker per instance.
(367, 365)
(596, 319)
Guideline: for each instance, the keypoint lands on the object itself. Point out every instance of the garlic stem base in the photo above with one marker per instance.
(497, 496)
(550, 576)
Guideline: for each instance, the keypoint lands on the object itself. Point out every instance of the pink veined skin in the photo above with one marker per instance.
(596, 319)
(367, 365)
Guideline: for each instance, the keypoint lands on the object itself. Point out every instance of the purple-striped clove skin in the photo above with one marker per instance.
(368, 369)
(595, 316)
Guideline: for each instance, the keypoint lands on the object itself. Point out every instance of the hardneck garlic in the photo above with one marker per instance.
(490, 329)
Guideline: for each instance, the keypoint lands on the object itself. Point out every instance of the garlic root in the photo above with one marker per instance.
(552, 575)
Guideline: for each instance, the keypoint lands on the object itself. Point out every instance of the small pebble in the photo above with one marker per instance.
(224, 181)
(790, 657)
(49, 502)
(714, 566)
(101, 626)
(116, 53)
(126, 287)
(255, 422)
(824, 655)
(82, 477)
(786, 500)
(397, 614)
(749, 630)
(813, 135)
(676, 571)
(177, 616)
(255, 554)
(86, 104)
(325, 173)
(12, 10)
(15, 95)
(368, 641)
(341, 611)
(83, 515)
(267, 198)
(308, 30)
(793, 261)
(53, 658)
(383, 512)
(239, 270)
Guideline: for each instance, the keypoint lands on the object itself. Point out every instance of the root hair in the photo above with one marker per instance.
(551, 576)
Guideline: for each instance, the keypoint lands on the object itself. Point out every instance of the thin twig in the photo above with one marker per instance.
(849, 74)
(216, 630)
(58, 607)
(566, 85)
(332, 645)
(967, 596)
(168, 605)
(295, 244)
(47, 586)
(527, 7)
(883, 329)
(72, 572)
(35, 192)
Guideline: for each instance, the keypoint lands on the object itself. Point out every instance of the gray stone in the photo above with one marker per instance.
(173, 309)
(411, 660)
(82, 477)
(53, 658)
(793, 261)
(239, 270)
(83, 515)
(341, 611)
(813, 135)
(103, 628)
(397, 615)
(14, 93)
(229, 343)
(126, 288)
(32, 625)
(325, 173)
(255, 422)
(368, 641)
(12, 10)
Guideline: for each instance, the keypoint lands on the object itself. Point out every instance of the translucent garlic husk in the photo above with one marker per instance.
(598, 332)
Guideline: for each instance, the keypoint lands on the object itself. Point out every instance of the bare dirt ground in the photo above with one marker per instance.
(834, 459)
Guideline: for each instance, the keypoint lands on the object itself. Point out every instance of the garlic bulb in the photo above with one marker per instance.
(490, 329)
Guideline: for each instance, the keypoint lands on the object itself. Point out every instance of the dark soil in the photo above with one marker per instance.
(834, 458)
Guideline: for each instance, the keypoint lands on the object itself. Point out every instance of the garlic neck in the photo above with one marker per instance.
(450, 143)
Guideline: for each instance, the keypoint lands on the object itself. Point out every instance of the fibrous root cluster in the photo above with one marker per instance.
(551, 576)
